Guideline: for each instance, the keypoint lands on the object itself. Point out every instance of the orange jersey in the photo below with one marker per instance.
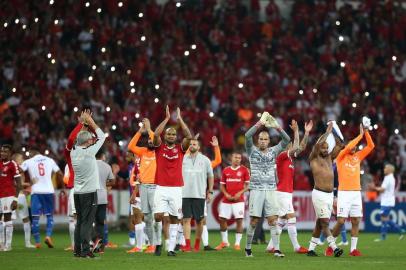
(349, 165)
(148, 159)
(217, 157)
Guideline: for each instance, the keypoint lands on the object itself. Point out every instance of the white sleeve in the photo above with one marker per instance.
(209, 168)
(101, 137)
(385, 183)
(24, 166)
(55, 167)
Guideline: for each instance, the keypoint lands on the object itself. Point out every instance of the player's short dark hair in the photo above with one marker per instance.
(7, 146)
(100, 153)
(236, 152)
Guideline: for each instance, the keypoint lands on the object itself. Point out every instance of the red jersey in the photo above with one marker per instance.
(169, 165)
(234, 180)
(8, 171)
(285, 171)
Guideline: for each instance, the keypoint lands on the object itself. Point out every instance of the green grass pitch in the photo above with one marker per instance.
(390, 254)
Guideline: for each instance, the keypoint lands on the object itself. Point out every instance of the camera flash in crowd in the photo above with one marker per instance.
(87, 4)
(178, 4)
(366, 94)
(27, 154)
(14, 90)
(75, 109)
(341, 38)
(132, 90)
(342, 64)
(240, 85)
(361, 147)
(125, 118)
(354, 105)
(258, 115)
(140, 15)
(113, 68)
(47, 152)
(17, 21)
(362, 171)
(90, 78)
(193, 46)
(99, 10)
(23, 149)
(24, 26)
(301, 92)
(394, 58)
(211, 114)
(137, 115)
(396, 131)
(94, 67)
(49, 55)
(315, 90)
(156, 86)
(5, 25)
(53, 61)
(140, 124)
(56, 22)
(51, 2)
(186, 53)
(143, 38)
(36, 20)
(106, 134)
(43, 108)
(120, 143)
(103, 50)
(108, 109)
(343, 122)
(375, 126)
(132, 84)
(156, 100)
(120, 4)
(338, 23)
(113, 127)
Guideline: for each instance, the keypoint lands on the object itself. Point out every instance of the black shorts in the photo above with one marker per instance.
(192, 207)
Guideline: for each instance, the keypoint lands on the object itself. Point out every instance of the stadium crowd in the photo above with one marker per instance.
(221, 63)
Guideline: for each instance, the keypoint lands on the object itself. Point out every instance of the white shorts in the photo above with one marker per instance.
(263, 200)
(322, 203)
(136, 205)
(147, 193)
(349, 203)
(168, 199)
(71, 204)
(285, 203)
(229, 209)
(22, 208)
(5, 204)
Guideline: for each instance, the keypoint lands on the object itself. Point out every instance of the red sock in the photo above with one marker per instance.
(187, 242)
(197, 244)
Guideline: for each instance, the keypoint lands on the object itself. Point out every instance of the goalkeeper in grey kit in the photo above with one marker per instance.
(263, 178)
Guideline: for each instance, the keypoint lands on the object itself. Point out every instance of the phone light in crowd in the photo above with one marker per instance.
(143, 38)
(51, 2)
(108, 109)
(156, 100)
(36, 20)
(186, 53)
(43, 108)
(125, 118)
(103, 50)
(119, 42)
(104, 63)
(211, 114)
(47, 152)
(94, 67)
(396, 131)
(301, 92)
(5, 25)
(193, 46)
(338, 23)
(49, 55)
(375, 126)
(24, 26)
(137, 115)
(132, 90)
(132, 84)
(341, 38)
(75, 109)
(394, 58)
(343, 122)
(178, 4)
(342, 64)
(14, 90)
(87, 4)
(113, 127)
(120, 143)
(362, 172)
(99, 10)
(354, 105)
(53, 61)
(120, 4)
(113, 68)
(140, 15)
(156, 86)
(315, 90)
(90, 78)
(366, 94)
(240, 85)
(56, 22)
(17, 21)
(27, 154)
(23, 149)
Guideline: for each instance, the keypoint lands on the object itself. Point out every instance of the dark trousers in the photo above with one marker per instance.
(86, 206)
(100, 219)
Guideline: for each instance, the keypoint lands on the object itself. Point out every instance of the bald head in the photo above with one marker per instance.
(388, 169)
(170, 136)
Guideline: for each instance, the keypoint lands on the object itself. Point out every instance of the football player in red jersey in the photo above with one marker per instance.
(10, 182)
(169, 180)
(285, 170)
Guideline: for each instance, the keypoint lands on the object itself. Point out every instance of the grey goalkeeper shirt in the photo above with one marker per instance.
(85, 166)
(196, 171)
(105, 174)
(263, 165)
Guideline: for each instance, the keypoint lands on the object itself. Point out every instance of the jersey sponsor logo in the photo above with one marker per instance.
(233, 180)
(170, 157)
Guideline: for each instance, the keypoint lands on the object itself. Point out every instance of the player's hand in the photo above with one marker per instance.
(271, 122)
(209, 197)
(133, 197)
(167, 113)
(294, 125)
(264, 117)
(308, 126)
(146, 124)
(14, 205)
(214, 141)
(361, 130)
(196, 137)
(81, 118)
(228, 197)
(178, 115)
(329, 127)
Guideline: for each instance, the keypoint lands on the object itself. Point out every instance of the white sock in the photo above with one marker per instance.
(27, 233)
(205, 236)
(145, 237)
(139, 235)
(250, 236)
(173, 232)
(2, 242)
(9, 232)
(158, 233)
(132, 241)
(275, 237)
(270, 245)
(354, 241)
(293, 233)
(180, 238)
(149, 231)
(313, 243)
(331, 242)
(72, 225)
(224, 236)
(238, 237)
(167, 244)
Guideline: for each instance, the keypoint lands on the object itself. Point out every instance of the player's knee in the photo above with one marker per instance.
(159, 217)
(355, 221)
(292, 220)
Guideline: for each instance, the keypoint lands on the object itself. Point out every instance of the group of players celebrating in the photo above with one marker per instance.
(172, 183)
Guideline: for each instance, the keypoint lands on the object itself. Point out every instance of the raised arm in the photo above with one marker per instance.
(295, 147)
(272, 123)
(303, 143)
(132, 146)
(351, 145)
(249, 142)
(316, 148)
(157, 134)
(367, 149)
(185, 129)
(217, 154)
(100, 137)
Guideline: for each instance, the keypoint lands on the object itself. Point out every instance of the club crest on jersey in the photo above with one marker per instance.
(174, 150)
(238, 174)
